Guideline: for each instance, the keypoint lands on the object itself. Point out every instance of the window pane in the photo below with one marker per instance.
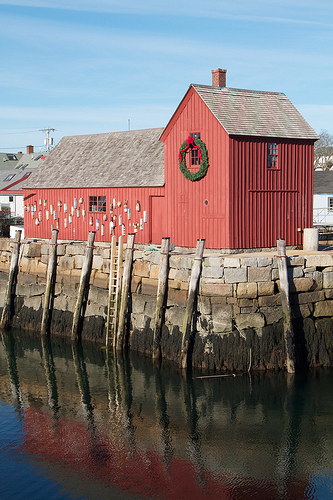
(93, 203)
(330, 204)
(102, 203)
(272, 154)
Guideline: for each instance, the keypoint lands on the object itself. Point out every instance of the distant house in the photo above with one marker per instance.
(323, 198)
(324, 160)
(19, 166)
(8, 161)
(232, 166)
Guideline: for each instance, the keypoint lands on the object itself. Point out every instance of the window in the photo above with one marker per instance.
(38, 157)
(9, 177)
(25, 174)
(12, 157)
(272, 154)
(330, 204)
(11, 198)
(97, 203)
(194, 153)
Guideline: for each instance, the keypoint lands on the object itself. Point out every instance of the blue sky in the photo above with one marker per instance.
(89, 66)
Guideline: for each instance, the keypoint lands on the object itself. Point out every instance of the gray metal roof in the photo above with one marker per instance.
(12, 175)
(9, 160)
(30, 161)
(117, 159)
(27, 163)
(323, 182)
(255, 113)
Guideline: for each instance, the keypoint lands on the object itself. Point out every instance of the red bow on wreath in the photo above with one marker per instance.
(190, 144)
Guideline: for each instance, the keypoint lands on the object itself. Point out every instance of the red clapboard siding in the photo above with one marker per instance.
(188, 217)
(270, 203)
(240, 203)
(78, 229)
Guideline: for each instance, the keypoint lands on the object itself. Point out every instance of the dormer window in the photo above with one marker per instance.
(9, 177)
(272, 155)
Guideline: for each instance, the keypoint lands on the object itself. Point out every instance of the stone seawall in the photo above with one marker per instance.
(238, 320)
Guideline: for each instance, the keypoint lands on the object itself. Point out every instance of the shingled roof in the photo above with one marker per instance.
(323, 182)
(255, 113)
(117, 159)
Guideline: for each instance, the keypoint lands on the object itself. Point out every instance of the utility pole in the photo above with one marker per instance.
(49, 140)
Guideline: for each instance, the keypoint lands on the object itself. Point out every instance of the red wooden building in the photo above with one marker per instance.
(246, 176)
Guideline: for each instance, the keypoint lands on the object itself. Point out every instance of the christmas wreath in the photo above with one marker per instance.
(193, 143)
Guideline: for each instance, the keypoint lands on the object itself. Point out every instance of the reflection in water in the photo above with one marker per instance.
(94, 424)
(8, 343)
(162, 418)
(50, 373)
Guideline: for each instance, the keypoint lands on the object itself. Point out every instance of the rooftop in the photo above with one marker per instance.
(255, 113)
(116, 159)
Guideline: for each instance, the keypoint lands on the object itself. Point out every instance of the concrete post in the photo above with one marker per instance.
(310, 239)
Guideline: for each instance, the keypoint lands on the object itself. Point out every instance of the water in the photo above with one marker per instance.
(78, 422)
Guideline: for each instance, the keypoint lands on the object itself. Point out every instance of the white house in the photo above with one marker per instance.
(14, 171)
(323, 198)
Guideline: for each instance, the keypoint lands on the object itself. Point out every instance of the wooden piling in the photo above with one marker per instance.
(84, 282)
(120, 338)
(160, 299)
(7, 309)
(51, 271)
(287, 324)
(188, 338)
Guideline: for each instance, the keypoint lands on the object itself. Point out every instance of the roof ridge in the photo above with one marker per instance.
(115, 132)
(233, 89)
(255, 112)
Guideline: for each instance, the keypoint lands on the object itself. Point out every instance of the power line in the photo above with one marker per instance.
(18, 133)
(18, 147)
(48, 141)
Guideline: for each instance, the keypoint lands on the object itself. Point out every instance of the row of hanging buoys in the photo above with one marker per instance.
(77, 209)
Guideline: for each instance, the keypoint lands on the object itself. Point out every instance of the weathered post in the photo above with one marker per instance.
(188, 339)
(84, 281)
(284, 288)
(50, 373)
(120, 337)
(7, 308)
(51, 270)
(160, 299)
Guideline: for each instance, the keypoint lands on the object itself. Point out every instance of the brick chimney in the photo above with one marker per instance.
(30, 150)
(219, 77)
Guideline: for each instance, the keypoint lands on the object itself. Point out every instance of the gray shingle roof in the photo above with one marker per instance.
(323, 182)
(116, 159)
(255, 113)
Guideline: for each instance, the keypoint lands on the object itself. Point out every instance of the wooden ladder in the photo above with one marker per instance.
(116, 274)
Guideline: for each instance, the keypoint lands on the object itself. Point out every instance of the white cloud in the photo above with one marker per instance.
(293, 11)
(75, 121)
